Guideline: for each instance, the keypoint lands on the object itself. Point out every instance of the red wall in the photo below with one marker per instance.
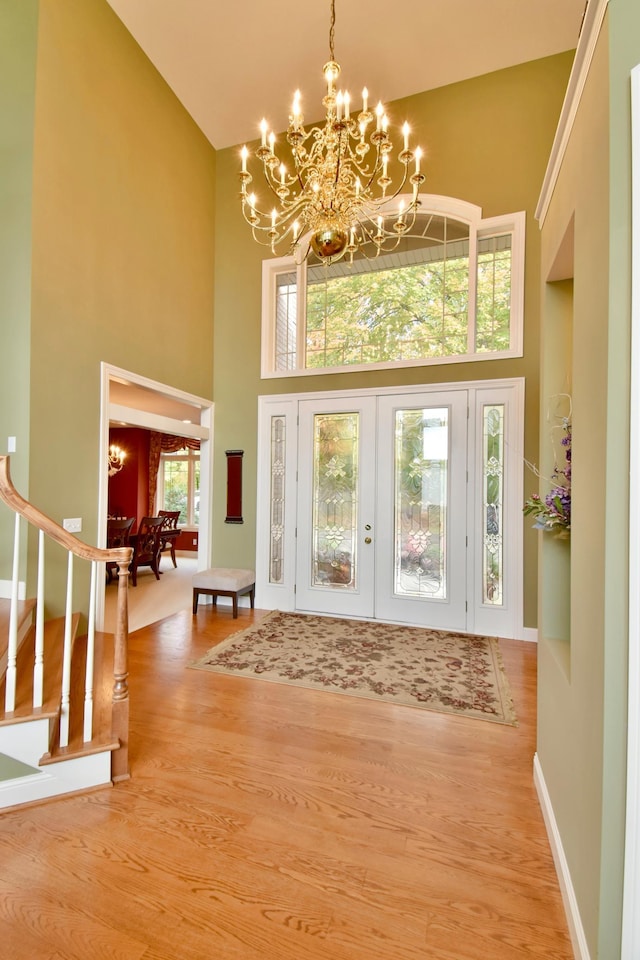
(128, 489)
(186, 540)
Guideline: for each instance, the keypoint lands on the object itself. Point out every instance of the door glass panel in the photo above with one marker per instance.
(286, 321)
(335, 502)
(276, 558)
(493, 472)
(421, 484)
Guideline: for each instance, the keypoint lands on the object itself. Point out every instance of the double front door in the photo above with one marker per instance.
(382, 508)
(401, 506)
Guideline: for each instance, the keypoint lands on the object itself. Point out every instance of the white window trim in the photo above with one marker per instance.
(452, 207)
(191, 457)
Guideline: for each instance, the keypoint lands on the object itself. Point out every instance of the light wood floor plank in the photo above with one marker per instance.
(267, 822)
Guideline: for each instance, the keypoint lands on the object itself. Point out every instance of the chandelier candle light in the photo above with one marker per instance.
(339, 187)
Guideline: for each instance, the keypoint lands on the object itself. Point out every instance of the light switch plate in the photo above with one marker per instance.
(72, 524)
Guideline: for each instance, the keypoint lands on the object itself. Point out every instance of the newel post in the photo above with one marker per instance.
(120, 697)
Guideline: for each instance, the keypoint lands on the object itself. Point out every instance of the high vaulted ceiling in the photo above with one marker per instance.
(231, 63)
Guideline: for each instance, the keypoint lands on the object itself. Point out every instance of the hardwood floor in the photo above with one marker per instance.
(267, 821)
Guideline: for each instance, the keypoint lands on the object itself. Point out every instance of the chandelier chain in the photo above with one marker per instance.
(332, 30)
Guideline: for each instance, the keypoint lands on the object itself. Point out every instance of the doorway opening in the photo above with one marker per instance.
(131, 401)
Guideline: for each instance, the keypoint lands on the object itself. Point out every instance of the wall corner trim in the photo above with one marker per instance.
(593, 18)
(576, 931)
(631, 896)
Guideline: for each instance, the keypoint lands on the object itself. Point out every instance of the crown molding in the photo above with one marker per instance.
(593, 17)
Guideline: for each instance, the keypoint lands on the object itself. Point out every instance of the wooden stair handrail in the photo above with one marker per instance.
(122, 557)
(12, 498)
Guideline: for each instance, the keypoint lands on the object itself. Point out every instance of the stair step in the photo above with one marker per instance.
(53, 646)
(25, 617)
(58, 754)
(103, 668)
(79, 765)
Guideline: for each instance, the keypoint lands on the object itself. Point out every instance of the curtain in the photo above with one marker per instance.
(163, 443)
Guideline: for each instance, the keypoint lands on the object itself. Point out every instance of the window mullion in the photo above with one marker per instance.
(189, 491)
(473, 290)
(301, 315)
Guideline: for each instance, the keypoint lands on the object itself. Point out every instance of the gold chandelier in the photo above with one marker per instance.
(337, 196)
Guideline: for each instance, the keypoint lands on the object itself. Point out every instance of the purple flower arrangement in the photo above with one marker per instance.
(553, 512)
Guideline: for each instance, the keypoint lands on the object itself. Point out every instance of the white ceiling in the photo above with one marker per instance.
(230, 63)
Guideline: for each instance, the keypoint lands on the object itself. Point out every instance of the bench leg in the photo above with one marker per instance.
(227, 593)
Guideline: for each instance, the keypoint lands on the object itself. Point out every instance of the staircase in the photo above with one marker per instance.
(64, 699)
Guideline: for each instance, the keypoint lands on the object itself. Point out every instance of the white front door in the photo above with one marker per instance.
(336, 506)
(421, 563)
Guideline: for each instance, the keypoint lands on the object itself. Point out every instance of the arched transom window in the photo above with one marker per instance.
(452, 291)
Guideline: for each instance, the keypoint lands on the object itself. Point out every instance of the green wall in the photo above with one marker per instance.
(487, 141)
(123, 243)
(18, 42)
(583, 682)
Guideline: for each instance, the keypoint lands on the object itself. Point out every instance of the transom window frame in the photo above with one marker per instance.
(479, 228)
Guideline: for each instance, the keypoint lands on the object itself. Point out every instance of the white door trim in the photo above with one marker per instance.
(281, 595)
(631, 892)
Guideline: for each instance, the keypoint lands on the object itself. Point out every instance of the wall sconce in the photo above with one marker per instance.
(115, 459)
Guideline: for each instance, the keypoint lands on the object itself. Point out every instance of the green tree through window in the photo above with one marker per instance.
(179, 485)
(453, 289)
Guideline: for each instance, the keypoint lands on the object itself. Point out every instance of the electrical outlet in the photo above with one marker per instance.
(73, 524)
(195, 543)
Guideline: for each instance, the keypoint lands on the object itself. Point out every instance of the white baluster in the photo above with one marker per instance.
(38, 666)
(12, 648)
(91, 637)
(66, 659)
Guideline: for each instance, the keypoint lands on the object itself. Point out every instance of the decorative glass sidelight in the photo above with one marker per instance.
(276, 529)
(493, 503)
(421, 487)
(335, 500)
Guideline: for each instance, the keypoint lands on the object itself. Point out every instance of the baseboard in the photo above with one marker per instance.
(5, 589)
(530, 634)
(574, 921)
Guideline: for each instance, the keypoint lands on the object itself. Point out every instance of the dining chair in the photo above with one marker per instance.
(170, 532)
(118, 534)
(146, 547)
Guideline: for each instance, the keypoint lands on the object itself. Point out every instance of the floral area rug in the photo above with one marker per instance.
(431, 669)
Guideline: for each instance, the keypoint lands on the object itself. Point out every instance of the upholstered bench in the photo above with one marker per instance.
(224, 582)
